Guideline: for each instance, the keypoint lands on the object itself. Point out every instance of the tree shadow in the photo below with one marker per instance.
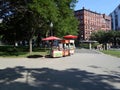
(34, 56)
(93, 66)
(21, 78)
(49, 56)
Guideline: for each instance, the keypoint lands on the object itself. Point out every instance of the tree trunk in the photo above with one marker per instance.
(115, 41)
(30, 45)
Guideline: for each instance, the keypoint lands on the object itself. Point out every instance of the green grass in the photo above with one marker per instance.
(11, 51)
(112, 52)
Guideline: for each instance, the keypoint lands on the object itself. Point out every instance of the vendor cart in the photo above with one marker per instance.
(54, 50)
(65, 50)
(72, 47)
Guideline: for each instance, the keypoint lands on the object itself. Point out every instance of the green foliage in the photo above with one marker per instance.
(94, 45)
(22, 51)
(45, 8)
(106, 37)
(33, 17)
(67, 23)
(24, 19)
(112, 52)
(98, 36)
(84, 45)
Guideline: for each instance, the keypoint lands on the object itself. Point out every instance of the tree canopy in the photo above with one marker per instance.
(107, 37)
(23, 19)
(31, 16)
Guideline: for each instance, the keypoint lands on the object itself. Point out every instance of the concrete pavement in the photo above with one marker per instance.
(89, 70)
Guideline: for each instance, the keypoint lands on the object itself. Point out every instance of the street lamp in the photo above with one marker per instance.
(51, 26)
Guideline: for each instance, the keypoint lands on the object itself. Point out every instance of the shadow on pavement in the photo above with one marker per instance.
(34, 56)
(88, 51)
(20, 78)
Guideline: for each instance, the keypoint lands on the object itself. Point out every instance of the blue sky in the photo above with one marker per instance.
(100, 6)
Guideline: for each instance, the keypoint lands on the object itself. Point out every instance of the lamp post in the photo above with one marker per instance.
(51, 26)
(1, 20)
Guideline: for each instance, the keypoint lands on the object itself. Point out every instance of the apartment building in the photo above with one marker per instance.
(91, 22)
(115, 18)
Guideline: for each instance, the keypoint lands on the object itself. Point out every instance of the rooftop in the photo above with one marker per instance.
(88, 11)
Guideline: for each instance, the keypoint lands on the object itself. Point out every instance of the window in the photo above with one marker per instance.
(81, 17)
(119, 7)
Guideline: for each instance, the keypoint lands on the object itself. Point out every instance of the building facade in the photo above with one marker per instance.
(115, 18)
(91, 22)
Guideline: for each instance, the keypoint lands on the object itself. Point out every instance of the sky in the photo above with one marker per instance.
(99, 6)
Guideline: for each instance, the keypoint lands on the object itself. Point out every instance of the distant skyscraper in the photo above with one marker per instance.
(115, 18)
(91, 22)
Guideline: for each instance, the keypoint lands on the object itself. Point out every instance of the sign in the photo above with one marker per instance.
(57, 54)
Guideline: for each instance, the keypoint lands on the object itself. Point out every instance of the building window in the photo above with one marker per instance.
(81, 17)
(119, 7)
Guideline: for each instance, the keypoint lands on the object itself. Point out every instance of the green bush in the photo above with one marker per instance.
(21, 51)
(84, 45)
(94, 45)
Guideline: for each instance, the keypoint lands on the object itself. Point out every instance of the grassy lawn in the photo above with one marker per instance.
(112, 52)
(10, 51)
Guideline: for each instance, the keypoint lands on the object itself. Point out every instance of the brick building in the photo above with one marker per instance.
(91, 22)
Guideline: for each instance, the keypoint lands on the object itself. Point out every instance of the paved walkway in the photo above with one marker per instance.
(92, 51)
(89, 70)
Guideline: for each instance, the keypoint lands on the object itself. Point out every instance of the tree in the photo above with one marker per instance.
(32, 17)
(118, 37)
(19, 21)
(67, 23)
(26, 16)
(107, 37)
(99, 36)
(114, 37)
